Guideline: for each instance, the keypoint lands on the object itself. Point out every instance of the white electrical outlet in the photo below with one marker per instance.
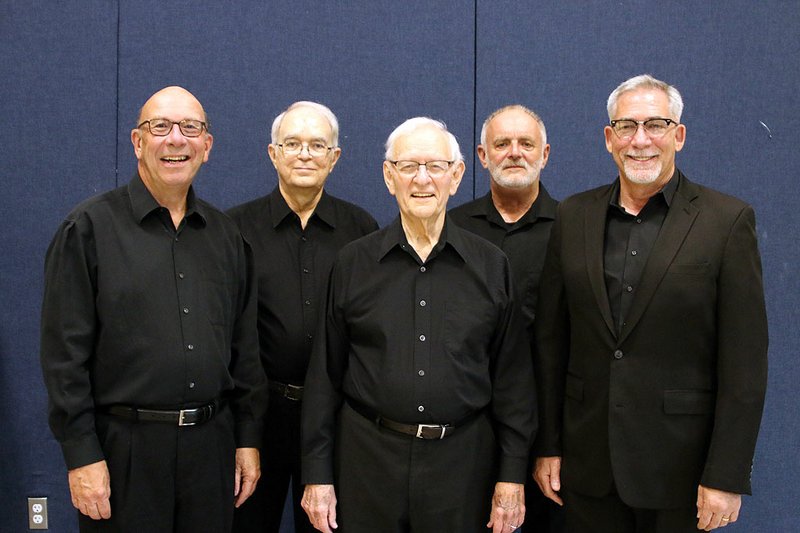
(37, 513)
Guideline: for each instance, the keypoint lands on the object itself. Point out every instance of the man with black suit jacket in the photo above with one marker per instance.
(651, 338)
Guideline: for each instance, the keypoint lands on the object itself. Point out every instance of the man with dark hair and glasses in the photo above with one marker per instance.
(419, 404)
(651, 338)
(295, 232)
(516, 215)
(149, 345)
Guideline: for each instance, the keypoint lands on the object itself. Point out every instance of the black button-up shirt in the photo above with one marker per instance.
(628, 242)
(523, 241)
(421, 343)
(292, 266)
(138, 313)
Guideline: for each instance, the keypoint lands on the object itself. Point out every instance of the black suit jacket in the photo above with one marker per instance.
(675, 399)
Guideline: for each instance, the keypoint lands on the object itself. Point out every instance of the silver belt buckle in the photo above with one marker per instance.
(420, 427)
(182, 417)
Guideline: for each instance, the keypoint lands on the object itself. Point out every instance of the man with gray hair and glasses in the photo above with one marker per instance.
(295, 232)
(651, 337)
(420, 402)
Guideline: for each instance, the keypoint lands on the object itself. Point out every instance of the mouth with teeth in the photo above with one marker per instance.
(174, 159)
(422, 195)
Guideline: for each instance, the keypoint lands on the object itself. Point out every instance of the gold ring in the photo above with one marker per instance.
(725, 519)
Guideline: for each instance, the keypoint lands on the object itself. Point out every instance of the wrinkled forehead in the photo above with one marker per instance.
(174, 103)
(643, 103)
(305, 122)
(425, 142)
(513, 124)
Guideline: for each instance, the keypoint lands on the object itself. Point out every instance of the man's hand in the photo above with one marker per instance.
(508, 507)
(319, 503)
(248, 470)
(547, 474)
(90, 488)
(716, 508)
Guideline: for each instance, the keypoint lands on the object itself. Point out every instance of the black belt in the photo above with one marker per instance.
(288, 391)
(420, 431)
(180, 417)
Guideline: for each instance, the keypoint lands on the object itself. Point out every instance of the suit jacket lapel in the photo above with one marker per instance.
(680, 218)
(595, 228)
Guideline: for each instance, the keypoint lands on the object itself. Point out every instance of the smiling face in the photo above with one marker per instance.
(641, 159)
(421, 198)
(303, 171)
(170, 163)
(514, 153)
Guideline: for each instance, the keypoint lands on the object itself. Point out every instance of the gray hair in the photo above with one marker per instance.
(517, 107)
(319, 108)
(416, 123)
(646, 81)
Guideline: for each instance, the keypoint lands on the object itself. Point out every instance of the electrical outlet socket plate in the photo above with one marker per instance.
(37, 513)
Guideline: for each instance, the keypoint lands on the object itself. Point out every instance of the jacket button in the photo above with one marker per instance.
(618, 354)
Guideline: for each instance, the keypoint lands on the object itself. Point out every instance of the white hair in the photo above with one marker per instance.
(512, 107)
(413, 124)
(319, 108)
(646, 81)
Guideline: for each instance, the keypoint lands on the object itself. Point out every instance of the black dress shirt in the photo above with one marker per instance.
(138, 313)
(420, 342)
(523, 241)
(292, 266)
(628, 242)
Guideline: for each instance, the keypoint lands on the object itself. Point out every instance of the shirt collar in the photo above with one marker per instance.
(143, 203)
(279, 209)
(395, 237)
(667, 191)
(543, 207)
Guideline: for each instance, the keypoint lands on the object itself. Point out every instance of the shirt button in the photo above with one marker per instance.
(306, 271)
(309, 336)
(629, 288)
(190, 347)
(185, 310)
(633, 252)
(421, 372)
(422, 338)
(421, 408)
(422, 269)
(191, 385)
(303, 238)
(307, 302)
(618, 354)
(181, 275)
(638, 220)
(422, 303)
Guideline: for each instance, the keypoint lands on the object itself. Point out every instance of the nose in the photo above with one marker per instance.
(640, 137)
(514, 150)
(175, 135)
(422, 169)
(305, 152)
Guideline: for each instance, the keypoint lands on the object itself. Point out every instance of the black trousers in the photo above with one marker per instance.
(392, 483)
(280, 467)
(609, 514)
(166, 478)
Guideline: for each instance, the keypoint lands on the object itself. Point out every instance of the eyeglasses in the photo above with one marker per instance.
(409, 169)
(315, 148)
(654, 127)
(161, 127)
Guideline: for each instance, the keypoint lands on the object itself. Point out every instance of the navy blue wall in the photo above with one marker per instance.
(72, 78)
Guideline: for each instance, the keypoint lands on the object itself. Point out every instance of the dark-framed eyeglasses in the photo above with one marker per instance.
(409, 169)
(654, 127)
(161, 127)
(315, 148)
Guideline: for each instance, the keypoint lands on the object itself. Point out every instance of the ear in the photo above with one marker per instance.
(609, 133)
(481, 150)
(545, 155)
(136, 141)
(388, 179)
(458, 173)
(209, 142)
(337, 152)
(272, 151)
(680, 137)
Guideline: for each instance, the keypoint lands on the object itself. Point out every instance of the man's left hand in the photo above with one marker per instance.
(248, 470)
(716, 508)
(508, 507)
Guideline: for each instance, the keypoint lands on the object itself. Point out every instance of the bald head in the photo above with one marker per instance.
(173, 97)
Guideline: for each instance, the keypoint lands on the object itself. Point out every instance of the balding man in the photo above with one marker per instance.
(149, 343)
(419, 404)
(295, 232)
(516, 215)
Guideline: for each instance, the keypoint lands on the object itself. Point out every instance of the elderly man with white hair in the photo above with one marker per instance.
(418, 410)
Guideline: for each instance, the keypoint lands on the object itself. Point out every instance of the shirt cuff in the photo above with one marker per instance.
(83, 451)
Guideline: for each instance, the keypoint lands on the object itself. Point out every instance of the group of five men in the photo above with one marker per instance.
(387, 375)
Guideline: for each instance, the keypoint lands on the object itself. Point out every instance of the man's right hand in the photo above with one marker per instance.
(547, 474)
(90, 488)
(319, 503)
